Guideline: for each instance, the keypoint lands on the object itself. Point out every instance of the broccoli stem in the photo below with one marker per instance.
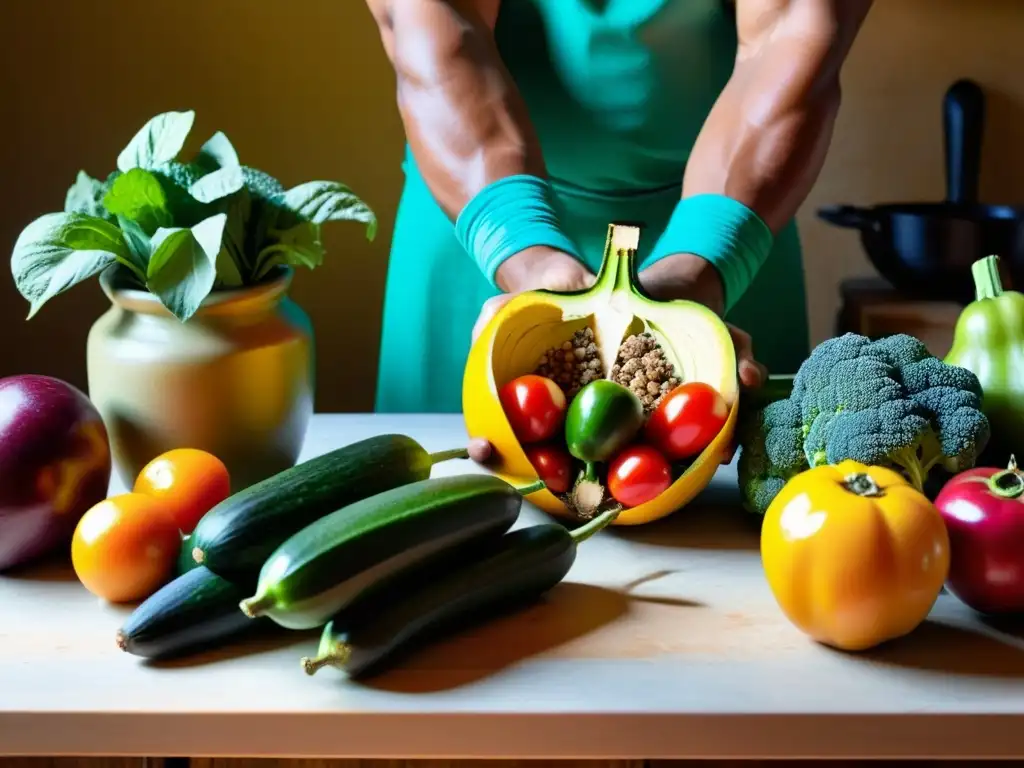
(915, 470)
(987, 283)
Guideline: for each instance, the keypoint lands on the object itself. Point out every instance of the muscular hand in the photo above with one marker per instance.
(685, 276)
(537, 268)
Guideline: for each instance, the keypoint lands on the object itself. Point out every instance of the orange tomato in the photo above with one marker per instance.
(854, 555)
(190, 481)
(125, 547)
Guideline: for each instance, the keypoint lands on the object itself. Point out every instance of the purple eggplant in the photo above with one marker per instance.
(54, 465)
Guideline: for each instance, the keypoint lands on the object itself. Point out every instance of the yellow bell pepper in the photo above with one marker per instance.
(693, 338)
(854, 555)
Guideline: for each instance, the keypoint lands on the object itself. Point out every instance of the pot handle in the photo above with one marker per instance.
(849, 216)
(963, 116)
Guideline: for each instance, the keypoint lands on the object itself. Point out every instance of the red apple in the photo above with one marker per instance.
(984, 513)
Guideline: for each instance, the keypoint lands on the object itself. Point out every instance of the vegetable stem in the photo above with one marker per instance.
(454, 453)
(533, 487)
(987, 283)
(587, 530)
(1008, 484)
(335, 656)
(862, 484)
(257, 605)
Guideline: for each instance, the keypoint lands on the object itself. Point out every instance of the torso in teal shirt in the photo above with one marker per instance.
(618, 91)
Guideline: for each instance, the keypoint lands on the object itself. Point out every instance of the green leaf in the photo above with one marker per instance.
(158, 141)
(320, 201)
(86, 196)
(298, 246)
(220, 183)
(238, 208)
(216, 153)
(61, 250)
(182, 267)
(138, 195)
(229, 275)
(138, 245)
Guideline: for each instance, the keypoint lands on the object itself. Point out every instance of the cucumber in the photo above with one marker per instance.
(196, 610)
(185, 560)
(517, 569)
(325, 566)
(236, 537)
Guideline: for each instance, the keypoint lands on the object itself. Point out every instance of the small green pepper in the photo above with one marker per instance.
(989, 341)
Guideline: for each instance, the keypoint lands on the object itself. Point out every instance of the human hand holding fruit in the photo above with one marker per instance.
(537, 268)
(692, 278)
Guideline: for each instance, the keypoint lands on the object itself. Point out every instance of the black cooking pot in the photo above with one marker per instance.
(926, 249)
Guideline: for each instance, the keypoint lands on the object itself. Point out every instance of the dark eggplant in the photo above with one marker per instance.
(55, 464)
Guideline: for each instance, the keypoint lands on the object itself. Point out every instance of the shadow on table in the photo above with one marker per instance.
(263, 639)
(995, 650)
(714, 520)
(699, 526)
(474, 652)
(54, 567)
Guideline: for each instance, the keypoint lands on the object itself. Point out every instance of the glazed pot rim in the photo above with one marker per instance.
(120, 288)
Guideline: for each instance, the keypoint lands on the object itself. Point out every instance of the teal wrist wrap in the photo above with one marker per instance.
(506, 217)
(728, 234)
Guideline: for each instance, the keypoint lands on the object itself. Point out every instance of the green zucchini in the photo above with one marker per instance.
(323, 567)
(195, 611)
(517, 569)
(185, 560)
(236, 537)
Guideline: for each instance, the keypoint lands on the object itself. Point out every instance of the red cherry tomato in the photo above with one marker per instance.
(638, 474)
(553, 464)
(686, 420)
(534, 406)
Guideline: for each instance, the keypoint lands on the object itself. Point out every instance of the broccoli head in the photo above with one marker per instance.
(887, 402)
(772, 440)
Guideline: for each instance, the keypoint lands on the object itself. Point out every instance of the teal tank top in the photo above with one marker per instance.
(617, 91)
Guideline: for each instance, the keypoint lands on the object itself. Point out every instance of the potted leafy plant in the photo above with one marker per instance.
(201, 346)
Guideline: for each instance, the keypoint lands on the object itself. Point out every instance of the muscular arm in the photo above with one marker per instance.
(464, 119)
(765, 140)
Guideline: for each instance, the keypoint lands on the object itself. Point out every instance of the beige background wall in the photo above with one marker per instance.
(313, 98)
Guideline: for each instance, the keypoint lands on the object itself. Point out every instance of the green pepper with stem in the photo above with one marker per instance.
(989, 341)
(602, 419)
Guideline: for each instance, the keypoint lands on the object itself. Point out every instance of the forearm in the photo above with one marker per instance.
(760, 150)
(764, 142)
(464, 119)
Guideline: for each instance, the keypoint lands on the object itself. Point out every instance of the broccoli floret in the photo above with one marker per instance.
(886, 403)
(772, 452)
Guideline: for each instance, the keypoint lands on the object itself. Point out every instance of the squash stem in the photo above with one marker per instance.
(454, 453)
(619, 248)
(587, 530)
(336, 656)
(257, 605)
(987, 282)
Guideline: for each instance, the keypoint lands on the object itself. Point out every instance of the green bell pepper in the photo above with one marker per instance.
(989, 341)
